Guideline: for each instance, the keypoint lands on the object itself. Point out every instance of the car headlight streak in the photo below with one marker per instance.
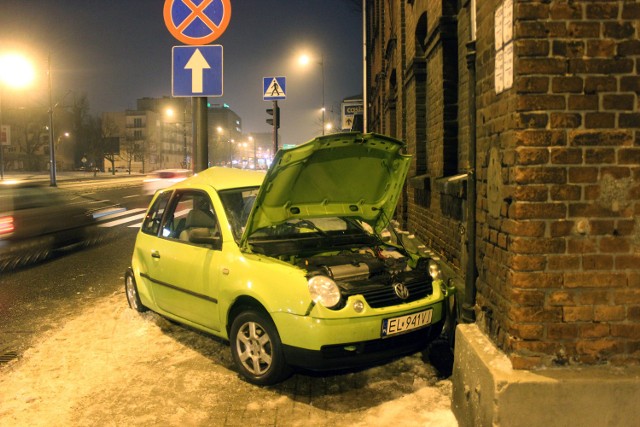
(324, 291)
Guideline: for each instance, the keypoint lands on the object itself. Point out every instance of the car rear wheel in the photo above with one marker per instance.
(131, 290)
(256, 349)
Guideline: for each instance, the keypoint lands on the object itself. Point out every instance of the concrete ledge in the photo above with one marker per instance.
(487, 391)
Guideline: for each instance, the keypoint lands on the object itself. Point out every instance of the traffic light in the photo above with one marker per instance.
(275, 117)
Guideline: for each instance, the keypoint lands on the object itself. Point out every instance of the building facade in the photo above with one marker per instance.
(523, 119)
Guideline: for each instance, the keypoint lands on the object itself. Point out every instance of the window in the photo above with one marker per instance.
(191, 219)
(151, 223)
(237, 206)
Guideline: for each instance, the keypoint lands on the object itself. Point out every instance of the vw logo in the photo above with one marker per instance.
(401, 290)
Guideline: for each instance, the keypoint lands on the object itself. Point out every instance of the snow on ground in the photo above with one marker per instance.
(111, 366)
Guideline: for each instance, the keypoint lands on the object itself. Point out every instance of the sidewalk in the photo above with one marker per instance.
(67, 175)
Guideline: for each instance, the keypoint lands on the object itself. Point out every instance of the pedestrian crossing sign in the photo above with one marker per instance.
(274, 88)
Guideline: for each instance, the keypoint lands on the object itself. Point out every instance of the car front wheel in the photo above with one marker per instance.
(256, 349)
(131, 290)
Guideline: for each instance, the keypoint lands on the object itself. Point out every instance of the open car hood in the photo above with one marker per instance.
(345, 175)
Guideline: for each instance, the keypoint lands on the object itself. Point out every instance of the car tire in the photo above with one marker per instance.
(131, 291)
(256, 349)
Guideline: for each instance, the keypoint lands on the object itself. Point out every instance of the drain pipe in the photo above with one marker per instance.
(468, 313)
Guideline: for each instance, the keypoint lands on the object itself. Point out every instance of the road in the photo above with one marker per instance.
(72, 353)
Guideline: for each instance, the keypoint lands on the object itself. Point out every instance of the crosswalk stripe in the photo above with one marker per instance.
(119, 214)
(122, 220)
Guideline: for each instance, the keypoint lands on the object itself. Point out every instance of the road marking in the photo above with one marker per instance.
(123, 220)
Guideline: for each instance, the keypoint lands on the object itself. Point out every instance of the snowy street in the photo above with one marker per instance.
(111, 366)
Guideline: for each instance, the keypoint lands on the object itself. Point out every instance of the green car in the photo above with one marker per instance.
(295, 266)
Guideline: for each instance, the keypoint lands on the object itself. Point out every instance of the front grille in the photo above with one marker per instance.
(381, 294)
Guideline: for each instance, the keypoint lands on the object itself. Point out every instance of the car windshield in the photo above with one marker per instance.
(237, 206)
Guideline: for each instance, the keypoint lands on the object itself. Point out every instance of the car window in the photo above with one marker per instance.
(190, 212)
(151, 223)
(237, 206)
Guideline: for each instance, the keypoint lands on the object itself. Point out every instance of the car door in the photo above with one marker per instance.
(184, 275)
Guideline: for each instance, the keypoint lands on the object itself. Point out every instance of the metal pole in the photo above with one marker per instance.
(364, 66)
(275, 126)
(184, 135)
(200, 134)
(322, 65)
(52, 153)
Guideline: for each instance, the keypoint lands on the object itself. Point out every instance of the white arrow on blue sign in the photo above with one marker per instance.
(197, 70)
(274, 88)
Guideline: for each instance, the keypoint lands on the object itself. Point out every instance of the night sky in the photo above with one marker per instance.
(117, 51)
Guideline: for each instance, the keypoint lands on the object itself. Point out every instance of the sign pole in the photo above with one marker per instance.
(200, 134)
(275, 126)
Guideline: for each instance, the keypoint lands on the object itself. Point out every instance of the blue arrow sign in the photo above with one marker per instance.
(274, 88)
(197, 70)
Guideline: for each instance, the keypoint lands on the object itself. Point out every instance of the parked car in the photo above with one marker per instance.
(164, 178)
(291, 266)
(36, 219)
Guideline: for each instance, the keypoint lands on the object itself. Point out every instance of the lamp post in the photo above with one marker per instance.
(52, 150)
(304, 60)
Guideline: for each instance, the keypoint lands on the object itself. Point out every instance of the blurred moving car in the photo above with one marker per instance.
(292, 266)
(36, 219)
(164, 178)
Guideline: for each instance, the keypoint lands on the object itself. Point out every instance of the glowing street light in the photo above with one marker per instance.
(305, 60)
(17, 72)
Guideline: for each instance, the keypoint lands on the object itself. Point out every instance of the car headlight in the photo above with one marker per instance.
(323, 290)
(434, 270)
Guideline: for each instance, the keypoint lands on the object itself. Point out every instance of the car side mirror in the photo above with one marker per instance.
(203, 236)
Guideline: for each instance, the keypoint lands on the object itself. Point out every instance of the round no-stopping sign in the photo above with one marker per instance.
(197, 22)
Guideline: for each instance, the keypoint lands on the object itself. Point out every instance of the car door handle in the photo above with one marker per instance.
(155, 254)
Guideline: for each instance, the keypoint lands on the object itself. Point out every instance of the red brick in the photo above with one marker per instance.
(625, 330)
(535, 280)
(629, 156)
(563, 262)
(561, 228)
(614, 245)
(593, 330)
(540, 102)
(539, 175)
(618, 102)
(568, 49)
(596, 156)
(608, 313)
(561, 298)
(581, 245)
(601, 11)
(565, 192)
(599, 84)
(629, 120)
(532, 156)
(583, 175)
(564, 10)
(527, 262)
(530, 193)
(524, 210)
(566, 156)
(567, 85)
(599, 120)
(627, 296)
(527, 332)
(562, 331)
(524, 228)
(597, 262)
(577, 314)
(601, 48)
(583, 102)
(525, 245)
(535, 314)
(624, 262)
(592, 296)
(595, 280)
(565, 120)
(526, 297)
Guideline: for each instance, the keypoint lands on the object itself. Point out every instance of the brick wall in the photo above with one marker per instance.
(560, 281)
(558, 167)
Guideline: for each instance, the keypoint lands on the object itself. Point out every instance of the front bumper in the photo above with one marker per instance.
(353, 341)
(364, 353)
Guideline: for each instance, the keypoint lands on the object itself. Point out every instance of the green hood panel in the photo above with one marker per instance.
(348, 175)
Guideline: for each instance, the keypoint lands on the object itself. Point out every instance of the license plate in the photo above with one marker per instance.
(396, 325)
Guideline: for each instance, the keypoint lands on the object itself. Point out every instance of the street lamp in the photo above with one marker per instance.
(15, 71)
(171, 113)
(304, 60)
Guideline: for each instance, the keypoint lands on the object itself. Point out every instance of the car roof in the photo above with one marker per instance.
(221, 178)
